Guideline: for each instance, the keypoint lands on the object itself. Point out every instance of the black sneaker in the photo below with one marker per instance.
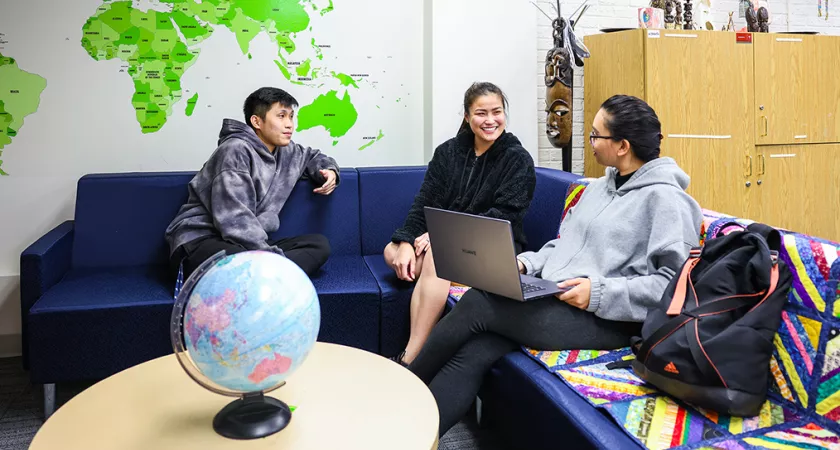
(399, 359)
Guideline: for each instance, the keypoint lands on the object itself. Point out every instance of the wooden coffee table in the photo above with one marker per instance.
(346, 399)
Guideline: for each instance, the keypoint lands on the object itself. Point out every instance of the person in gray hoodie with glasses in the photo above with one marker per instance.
(235, 199)
(617, 249)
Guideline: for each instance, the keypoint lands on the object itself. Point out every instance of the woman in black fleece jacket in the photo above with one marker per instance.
(485, 171)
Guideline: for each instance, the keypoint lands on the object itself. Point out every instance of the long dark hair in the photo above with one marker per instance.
(632, 119)
(477, 90)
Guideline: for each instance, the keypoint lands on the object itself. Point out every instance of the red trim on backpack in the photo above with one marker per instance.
(678, 300)
(697, 335)
(666, 337)
(774, 281)
(737, 295)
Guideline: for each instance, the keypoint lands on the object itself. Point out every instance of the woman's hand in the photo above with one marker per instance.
(421, 244)
(405, 261)
(578, 296)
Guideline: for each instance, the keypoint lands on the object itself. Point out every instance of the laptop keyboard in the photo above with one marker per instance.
(528, 288)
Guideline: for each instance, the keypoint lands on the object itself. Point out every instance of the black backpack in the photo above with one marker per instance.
(710, 341)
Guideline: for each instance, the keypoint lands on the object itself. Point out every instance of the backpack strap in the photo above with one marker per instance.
(721, 306)
(774, 281)
(678, 300)
(699, 355)
(667, 329)
(684, 317)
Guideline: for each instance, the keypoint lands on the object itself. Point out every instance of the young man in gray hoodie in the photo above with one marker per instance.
(235, 199)
(618, 248)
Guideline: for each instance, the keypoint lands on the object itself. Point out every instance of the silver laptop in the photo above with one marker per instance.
(478, 252)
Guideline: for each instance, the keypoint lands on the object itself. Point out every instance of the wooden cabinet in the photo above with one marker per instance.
(725, 108)
(716, 178)
(707, 132)
(797, 92)
(797, 187)
(620, 70)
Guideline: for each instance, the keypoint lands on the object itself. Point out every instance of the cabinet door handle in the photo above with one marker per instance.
(766, 125)
(748, 161)
(763, 165)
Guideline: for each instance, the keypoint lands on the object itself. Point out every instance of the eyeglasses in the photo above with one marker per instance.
(592, 138)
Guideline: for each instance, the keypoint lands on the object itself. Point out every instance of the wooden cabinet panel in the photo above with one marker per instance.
(616, 66)
(700, 84)
(797, 187)
(704, 107)
(718, 179)
(797, 96)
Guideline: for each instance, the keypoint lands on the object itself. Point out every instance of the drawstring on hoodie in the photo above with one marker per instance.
(463, 188)
(461, 179)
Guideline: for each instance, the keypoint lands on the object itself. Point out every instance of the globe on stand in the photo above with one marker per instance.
(240, 326)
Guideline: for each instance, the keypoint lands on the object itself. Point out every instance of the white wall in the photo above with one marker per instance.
(462, 41)
(793, 15)
(491, 40)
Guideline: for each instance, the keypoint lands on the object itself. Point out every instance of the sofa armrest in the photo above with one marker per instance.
(543, 217)
(44, 263)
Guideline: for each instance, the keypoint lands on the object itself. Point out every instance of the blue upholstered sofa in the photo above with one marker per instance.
(96, 296)
(96, 293)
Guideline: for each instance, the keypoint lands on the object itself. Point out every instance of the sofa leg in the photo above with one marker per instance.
(49, 400)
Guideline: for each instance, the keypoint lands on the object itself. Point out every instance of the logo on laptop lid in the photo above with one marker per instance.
(469, 252)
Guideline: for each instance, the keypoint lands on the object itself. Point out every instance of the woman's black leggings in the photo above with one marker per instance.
(483, 327)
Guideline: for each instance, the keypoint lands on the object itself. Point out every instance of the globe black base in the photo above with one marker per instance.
(252, 417)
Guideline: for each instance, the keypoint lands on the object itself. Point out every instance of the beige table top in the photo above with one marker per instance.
(346, 399)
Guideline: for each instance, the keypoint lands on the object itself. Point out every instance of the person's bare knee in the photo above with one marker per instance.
(428, 263)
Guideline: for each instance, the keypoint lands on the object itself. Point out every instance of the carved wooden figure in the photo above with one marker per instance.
(678, 19)
(688, 16)
(669, 14)
(559, 82)
(752, 19)
(558, 101)
(763, 19)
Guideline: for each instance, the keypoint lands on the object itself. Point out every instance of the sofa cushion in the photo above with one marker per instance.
(96, 322)
(350, 306)
(336, 216)
(396, 298)
(106, 288)
(387, 194)
(121, 218)
(531, 408)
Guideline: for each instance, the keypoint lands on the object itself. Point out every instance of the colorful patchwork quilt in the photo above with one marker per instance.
(803, 406)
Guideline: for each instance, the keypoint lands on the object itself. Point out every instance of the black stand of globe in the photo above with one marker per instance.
(251, 417)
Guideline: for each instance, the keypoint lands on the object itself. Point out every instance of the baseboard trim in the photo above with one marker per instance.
(10, 345)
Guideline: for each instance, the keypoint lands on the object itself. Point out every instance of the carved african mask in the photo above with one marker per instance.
(558, 97)
(558, 121)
